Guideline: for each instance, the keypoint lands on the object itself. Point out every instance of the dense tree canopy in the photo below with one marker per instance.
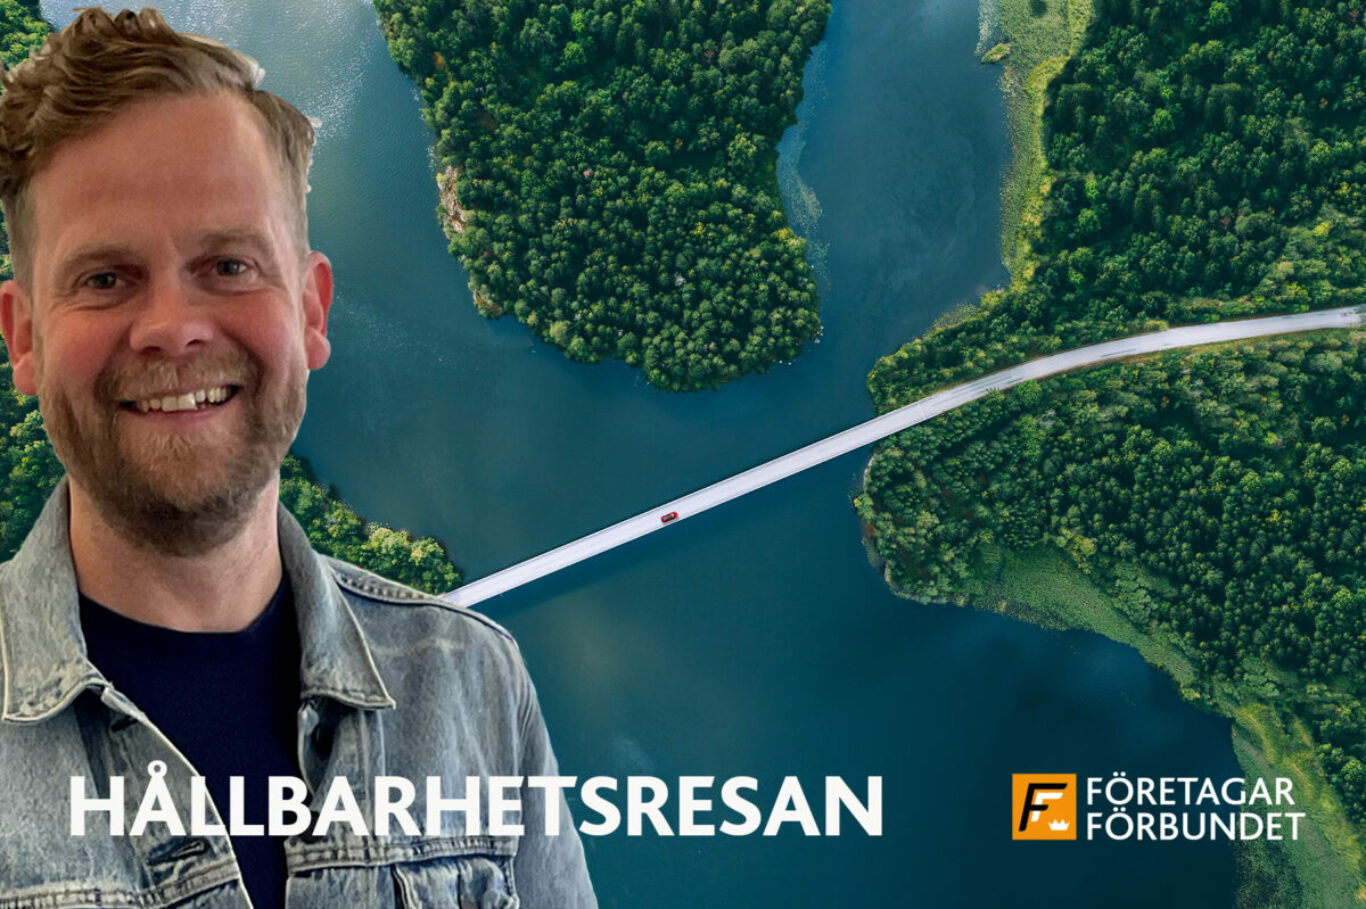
(1190, 151)
(336, 530)
(21, 29)
(609, 171)
(1205, 160)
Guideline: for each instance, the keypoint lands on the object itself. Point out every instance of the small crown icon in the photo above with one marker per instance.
(1058, 825)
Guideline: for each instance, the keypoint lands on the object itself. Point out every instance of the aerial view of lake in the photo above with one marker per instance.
(755, 639)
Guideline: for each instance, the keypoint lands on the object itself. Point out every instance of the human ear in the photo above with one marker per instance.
(16, 322)
(317, 301)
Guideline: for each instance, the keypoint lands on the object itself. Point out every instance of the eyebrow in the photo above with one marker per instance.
(89, 254)
(269, 258)
(247, 235)
(98, 253)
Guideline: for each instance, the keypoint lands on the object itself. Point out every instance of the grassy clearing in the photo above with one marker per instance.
(1323, 868)
(1036, 36)
(1319, 863)
(1043, 587)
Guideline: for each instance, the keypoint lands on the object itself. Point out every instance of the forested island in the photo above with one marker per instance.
(1196, 161)
(608, 172)
(29, 470)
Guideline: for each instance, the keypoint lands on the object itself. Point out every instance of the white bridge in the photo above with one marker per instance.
(866, 433)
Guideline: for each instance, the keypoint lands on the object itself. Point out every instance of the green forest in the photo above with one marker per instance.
(1203, 161)
(29, 470)
(608, 171)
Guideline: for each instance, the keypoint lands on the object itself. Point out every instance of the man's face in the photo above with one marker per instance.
(171, 322)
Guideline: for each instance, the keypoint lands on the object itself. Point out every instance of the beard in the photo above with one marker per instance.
(177, 494)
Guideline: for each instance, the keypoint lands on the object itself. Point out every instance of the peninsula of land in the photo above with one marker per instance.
(608, 172)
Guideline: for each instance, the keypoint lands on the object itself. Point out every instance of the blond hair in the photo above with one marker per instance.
(100, 64)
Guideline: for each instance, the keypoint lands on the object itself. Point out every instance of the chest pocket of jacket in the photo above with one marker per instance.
(458, 882)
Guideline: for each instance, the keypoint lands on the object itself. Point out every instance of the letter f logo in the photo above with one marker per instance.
(1045, 806)
(1037, 797)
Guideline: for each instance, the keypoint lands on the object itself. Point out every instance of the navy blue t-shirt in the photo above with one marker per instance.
(228, 700)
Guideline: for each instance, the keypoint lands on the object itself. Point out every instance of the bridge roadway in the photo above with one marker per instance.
(866, 433)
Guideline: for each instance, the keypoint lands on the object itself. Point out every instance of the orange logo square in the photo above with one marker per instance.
(1044, 806)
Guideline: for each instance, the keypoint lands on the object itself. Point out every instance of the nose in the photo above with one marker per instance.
(168, 321)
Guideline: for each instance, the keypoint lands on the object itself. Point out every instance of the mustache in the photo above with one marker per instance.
(134, 381)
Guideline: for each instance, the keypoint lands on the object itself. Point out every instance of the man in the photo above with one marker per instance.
(166, 619)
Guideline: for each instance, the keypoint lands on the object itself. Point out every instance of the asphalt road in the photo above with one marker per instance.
(865, 434)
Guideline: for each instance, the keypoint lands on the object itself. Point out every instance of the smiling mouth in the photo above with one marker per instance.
(200, 399)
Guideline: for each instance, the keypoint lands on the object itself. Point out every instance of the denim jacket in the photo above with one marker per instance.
(392, 682)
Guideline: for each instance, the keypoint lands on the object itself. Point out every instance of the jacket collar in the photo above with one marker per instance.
(336, 662)
(42, 647)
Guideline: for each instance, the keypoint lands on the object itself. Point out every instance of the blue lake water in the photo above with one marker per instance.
(756, 639)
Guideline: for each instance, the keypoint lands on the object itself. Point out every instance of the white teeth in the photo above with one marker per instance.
(191, 400)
